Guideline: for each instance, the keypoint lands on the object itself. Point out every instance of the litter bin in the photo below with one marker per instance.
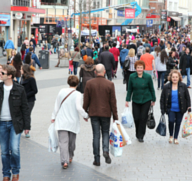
(44, 59)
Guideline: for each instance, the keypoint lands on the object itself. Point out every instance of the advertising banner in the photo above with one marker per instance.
(149, 23)
(129, 13)
(5, 20)
(120, 13)
(164, 16)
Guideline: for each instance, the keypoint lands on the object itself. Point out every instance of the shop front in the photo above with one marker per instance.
(175, 20)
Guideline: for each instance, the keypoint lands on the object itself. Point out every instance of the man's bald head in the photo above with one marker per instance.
(100, 69)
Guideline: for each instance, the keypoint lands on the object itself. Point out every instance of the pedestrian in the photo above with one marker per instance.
(66, 117)
(95, 55)
(19, 43)
(29, 83)
(13, 53)
(175, 101)
(161, 60)
(54, 43)
(39, 39)
(116, 54)
(100, 102)
(140, 50)
(75, 57)
(23, 48)
(108, 60)
(162, 45)
(89, 51)
(30, 62)
(149, 61)
(168, 49)
(141, 90)
(87, 71)
(9, 46)
(26, 41)
(123, 53)
(171, 64)
(17, 62)
(131, 69)
(14, 120)
(185, 66)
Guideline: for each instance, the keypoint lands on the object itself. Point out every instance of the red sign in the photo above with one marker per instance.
(168, 19)
(130, 13)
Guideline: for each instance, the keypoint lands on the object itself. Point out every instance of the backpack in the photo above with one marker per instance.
(140, 52)
(23, 47)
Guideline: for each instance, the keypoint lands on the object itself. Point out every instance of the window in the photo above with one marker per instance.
(170, 6)
(175, 6)
(98, 4)
(107, 2)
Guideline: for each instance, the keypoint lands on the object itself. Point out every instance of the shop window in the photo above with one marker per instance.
(54, 2)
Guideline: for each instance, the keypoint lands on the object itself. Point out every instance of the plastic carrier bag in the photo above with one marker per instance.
(53, 140)
(127, 118)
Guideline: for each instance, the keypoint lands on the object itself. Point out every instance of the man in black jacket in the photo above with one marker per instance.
(186, 66)
(108, 60)
(14, 118)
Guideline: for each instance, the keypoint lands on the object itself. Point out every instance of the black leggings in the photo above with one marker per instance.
(140, 115)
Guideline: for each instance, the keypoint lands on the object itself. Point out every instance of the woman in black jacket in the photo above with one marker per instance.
(175, 101)
(172, 63)
(29, 83)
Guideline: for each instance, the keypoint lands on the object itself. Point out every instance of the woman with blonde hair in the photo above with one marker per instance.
(13, 53)
(175, 101)
(131, 58)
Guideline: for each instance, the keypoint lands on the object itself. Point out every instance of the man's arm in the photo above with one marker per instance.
(25, 111)
(36, 60)
(154, 65)
(86, 101)
(113, 103)
(113, 61)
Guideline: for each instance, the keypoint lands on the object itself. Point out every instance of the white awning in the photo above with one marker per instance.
(175, 18)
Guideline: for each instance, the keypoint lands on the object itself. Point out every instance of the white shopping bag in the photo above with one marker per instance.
(127, 118)
(53, 140)
(116, 141)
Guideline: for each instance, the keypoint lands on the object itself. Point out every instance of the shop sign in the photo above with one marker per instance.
(5, 20)
(129, 13)
(149, 23)
(173, 14)
(18, 15)
(163, 16)
(120, 13)
(168, 19)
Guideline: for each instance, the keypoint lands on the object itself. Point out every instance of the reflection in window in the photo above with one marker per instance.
(57, 2)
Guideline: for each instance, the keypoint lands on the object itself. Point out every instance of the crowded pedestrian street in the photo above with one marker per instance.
(153, 160)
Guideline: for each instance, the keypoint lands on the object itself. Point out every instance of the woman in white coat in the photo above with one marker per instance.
(68, 106)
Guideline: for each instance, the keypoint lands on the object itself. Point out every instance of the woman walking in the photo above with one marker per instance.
(29, 83)
(175, 101)
(161, 61)
(17, 62)
(87, 71)
(131, 69)
(30, 62)
(66, 117)
(141, 89)
(75, 57)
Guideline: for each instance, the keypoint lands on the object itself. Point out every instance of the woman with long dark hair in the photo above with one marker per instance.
(160, 61)
(30, 61)
(17, 62)
(162, 45)
(29, 83)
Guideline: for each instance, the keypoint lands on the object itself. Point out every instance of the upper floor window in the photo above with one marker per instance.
(54, 2)
(21, 3)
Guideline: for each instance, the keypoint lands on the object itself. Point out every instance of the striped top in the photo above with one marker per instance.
(132, 63)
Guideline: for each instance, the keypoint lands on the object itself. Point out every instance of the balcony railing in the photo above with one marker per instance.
(21, 3)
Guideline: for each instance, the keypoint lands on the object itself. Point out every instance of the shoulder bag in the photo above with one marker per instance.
(126, 64)
(80, 85)
(151, 120)
(71, 61)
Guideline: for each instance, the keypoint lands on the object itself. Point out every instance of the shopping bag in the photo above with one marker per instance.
(187, 127)
(161, 128)
(116, 141)
(53, 140)
(151, 120)
(127, 118)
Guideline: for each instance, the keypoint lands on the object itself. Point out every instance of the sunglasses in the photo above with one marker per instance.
(3, 73)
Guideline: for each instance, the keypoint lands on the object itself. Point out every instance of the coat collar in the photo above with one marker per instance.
(136, 75)
(170, 85)
(14, 85)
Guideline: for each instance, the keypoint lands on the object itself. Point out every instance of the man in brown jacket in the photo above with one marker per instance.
(100, 103)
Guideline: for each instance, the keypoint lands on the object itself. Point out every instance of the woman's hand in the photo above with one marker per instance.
(152, 103)
(126, 104)
(189, 109)
(53, 120)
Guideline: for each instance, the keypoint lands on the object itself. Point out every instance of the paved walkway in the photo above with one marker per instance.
(153, 160)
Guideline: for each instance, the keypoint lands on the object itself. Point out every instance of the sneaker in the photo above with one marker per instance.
(107, 157)
(27, 136)
(140, 140)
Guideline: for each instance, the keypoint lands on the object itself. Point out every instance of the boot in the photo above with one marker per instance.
(15, 177)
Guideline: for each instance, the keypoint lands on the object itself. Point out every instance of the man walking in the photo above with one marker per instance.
(14, 119)
(100, 102)
(149, 61)
(108, 60)
(185, 66)
(9, 46)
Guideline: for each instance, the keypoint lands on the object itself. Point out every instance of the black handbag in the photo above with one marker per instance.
(80, 86)
(151, 120)
(161, 128)
(126, 64)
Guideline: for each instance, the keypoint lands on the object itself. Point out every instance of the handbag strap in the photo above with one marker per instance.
(65, 99)
(75, 55)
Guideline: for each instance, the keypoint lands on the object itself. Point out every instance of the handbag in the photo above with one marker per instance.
(80, 86)
(126, 64)
(151, 120)
(161, 128)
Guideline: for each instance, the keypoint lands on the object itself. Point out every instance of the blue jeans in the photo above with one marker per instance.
(39, 41)
(175, 117)
(100, 124)
(55, 50)
(161, 75)
(18, 79)
(10, 148)
(75, 66)
(150, 72)
(19, 50)
(188, 76)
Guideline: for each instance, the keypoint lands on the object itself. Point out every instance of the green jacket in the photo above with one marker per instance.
(140, 89)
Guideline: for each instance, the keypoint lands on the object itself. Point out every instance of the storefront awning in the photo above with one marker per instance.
(25, 9)
(175, 18)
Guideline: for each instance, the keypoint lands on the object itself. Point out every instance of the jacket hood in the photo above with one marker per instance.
(124, 51)
(141, 47)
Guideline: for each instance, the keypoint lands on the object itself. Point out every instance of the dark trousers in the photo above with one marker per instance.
(175, 119)
(109, 74)
(128, 73)
(31, 105)
(140, 115)
(161, 76)
(75, 66)
(103, 124)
